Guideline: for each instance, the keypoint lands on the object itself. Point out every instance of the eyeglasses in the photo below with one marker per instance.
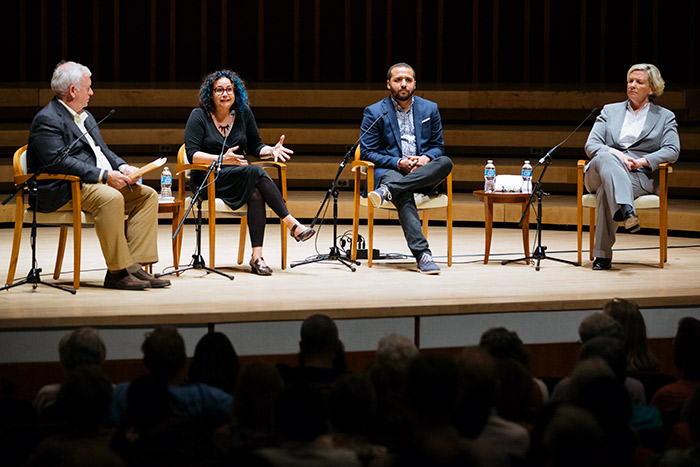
(220, 91)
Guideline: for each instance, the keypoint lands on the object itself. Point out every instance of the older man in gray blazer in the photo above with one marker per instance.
(108, 192)
(626, 145)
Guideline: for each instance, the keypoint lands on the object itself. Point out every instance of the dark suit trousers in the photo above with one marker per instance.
(402, 187)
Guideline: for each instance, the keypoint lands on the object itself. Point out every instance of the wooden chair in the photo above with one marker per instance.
(74, 217)
(424, 203)
(214, 206)
(659, 202)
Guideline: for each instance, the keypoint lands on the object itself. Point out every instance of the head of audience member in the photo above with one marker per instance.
(222, 78)
(433, 388)
(84, 346)
(686, 348)
(301, 414)
(257, 390)
(599, 325)
(319, 346)
(352, 406)
(639, 357)
(72, 84)
(147, 407)
(502, 343)
(395, 351)
(567, 436)
(84, 400)
(478, 376)
(611, 350)
(164, 353)
(215, 362)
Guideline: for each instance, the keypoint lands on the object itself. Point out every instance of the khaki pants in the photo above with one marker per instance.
(123, 242)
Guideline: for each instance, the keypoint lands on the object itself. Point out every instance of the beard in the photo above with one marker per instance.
(400, 97)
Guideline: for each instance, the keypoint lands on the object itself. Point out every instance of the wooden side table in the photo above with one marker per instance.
(501, 197)
(174, 206)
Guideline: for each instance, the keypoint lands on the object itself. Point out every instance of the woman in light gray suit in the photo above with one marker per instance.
(626, 145)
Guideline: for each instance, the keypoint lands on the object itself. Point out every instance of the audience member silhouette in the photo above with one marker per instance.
(301, 421)
(83, 346)
(567, 436)
(18, 437)
(504, 344)
(252, 423)
(640, 359)
(669, 399)
(164, 357)
(215, 362)
(79, 415)
(321, 354)
(601, 325)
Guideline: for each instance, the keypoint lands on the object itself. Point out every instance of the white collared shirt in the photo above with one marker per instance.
(633, 125)
(79, 118)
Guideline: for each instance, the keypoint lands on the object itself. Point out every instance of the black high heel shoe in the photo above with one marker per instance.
(304, 235)
(259, 267)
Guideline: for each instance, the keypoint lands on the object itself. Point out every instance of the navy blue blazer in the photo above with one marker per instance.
(52, 129)
(382, 143)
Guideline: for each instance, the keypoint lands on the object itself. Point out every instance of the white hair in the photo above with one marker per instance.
(396, 351)
(67, 74)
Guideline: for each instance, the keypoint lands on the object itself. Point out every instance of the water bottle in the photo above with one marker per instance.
(527, 177)
(166, 184)
(489, 177)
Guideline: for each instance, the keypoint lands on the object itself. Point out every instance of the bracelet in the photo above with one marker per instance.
(105, 176)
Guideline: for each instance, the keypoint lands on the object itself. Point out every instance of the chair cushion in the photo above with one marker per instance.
(643, 202)
(423, 201)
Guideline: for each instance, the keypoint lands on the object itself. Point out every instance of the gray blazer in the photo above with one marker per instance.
(658, 142)
(52, 129)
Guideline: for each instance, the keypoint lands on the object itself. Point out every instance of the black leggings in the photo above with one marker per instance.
(265, 193)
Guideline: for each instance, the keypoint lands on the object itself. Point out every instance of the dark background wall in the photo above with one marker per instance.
(353, 41)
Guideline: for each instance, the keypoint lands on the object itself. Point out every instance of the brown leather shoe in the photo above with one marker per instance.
(259, 267)
(124, 281)
(155, 283)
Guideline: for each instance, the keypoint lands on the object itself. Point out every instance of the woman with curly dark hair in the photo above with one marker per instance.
(225, 120)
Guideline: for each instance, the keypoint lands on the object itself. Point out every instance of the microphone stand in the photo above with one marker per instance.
(539, 253)
(34, 275)
(335, 253)
(197, 258)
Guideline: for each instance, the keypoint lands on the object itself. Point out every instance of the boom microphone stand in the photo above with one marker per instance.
(334, 253)
(197, 258)
(34, 275)
(539, 253)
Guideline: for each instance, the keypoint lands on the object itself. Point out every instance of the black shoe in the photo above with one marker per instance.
(632, 223)
(602, 264)
(259, 267)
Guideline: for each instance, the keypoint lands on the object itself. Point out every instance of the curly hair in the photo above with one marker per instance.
(206, 91)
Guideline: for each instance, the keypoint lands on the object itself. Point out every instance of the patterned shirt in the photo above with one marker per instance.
(407, 128)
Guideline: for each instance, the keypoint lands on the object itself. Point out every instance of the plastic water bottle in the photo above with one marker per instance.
(166, 184)
(489, 177)
(527, 177)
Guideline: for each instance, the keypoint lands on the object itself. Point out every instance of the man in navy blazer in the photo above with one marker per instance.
(107, 193)
(402, 136)
(626, 145)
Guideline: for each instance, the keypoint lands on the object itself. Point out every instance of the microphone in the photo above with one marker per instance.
(352, 148)
(549, 153)
(220, 160)
(65, 150)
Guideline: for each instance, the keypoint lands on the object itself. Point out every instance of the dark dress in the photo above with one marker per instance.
(235, 184)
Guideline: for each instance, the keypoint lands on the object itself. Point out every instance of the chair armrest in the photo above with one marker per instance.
(185, 167)
(666, 166)
(20, 179)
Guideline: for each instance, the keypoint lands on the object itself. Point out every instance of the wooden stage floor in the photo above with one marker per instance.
(391, 288)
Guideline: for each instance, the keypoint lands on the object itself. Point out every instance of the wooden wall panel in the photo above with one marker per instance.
(354, 41)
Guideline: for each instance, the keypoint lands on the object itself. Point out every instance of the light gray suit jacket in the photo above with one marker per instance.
(658, 142)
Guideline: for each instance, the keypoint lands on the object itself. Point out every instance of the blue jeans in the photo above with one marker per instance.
(402, 187)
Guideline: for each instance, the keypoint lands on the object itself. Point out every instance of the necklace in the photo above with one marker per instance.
(223, 129)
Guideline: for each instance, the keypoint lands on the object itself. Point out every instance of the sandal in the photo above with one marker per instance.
(304, 235)
(259, 267)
